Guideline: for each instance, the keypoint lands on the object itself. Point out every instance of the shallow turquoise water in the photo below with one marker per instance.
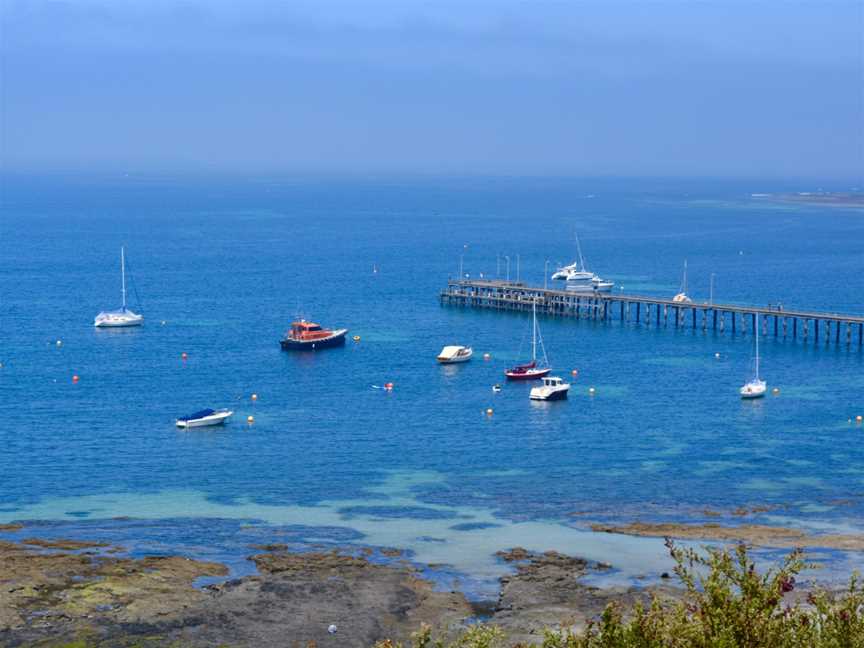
(227, 263)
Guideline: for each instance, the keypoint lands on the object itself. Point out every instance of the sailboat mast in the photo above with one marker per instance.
(123, 274)
(579, 251)
(757, 349)
(684, 286)
(534, 332)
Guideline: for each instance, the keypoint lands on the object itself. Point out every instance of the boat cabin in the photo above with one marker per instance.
(553, 381)
(303, 330)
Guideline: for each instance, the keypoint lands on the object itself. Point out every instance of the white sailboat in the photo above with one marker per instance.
(755, 387)
(682, 297)
(124, 316)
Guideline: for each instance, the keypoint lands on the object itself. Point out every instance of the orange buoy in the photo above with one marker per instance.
(75, 380)
(254, 397)
(489, 412)
(184, 356)
(487, 356)
(575, 372)
(859, 418)
(250, 419)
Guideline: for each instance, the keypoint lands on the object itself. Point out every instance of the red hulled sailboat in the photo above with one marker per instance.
(531, 370)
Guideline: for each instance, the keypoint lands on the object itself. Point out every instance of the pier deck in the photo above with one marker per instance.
(796, 324)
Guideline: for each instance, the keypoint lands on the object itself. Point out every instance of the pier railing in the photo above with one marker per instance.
(777, 321)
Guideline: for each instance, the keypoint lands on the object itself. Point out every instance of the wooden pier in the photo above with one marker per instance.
(793, 324)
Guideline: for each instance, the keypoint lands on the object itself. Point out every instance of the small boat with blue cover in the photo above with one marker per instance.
(204, 418)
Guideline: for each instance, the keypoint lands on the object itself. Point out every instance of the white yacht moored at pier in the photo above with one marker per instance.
(579, 278)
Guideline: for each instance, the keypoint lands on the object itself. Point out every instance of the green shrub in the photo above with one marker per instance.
(727, 603)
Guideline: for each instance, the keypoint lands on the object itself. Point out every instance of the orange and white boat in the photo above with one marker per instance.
(309, 336)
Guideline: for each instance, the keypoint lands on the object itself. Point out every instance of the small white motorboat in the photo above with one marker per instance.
(454, 354)
(124, 316)
(755, 387)
(204, 418)
(553, 388)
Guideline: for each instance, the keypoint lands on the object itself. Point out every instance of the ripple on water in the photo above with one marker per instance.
(714, 467)
(760, 484)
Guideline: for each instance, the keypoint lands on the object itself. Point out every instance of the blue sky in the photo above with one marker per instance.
(731, 88)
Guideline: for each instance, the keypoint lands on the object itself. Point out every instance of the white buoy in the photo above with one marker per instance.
(59, 343)
(332, 628)
(717, 355)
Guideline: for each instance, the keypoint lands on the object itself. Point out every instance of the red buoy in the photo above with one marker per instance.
(75, 378)
(183, 355)
(388, 386)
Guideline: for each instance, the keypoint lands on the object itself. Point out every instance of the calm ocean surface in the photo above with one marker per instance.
(227, 263)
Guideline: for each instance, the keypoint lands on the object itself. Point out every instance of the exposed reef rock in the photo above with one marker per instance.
(754, 534)
(111, 601)
(546, 592)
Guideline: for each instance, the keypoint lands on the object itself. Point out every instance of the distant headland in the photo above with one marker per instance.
(827, 198)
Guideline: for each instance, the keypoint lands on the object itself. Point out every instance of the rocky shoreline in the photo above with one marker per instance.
(55, 592)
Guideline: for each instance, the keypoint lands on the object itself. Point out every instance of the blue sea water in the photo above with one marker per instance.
(222, 265)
